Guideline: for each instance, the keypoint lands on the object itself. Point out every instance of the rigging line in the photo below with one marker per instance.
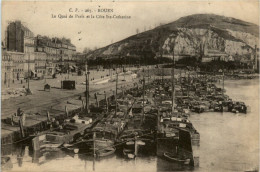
(104, 148)
(15, 142)
(10, 129)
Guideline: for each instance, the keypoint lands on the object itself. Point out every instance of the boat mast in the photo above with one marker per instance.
(188, 90)
(162, 74)
(110, 73)
(124, 70)
(223, 84)
(116, 91)
(106, 101)
(148, 74)
(160, 60)
(196, 72)
(180, 75)
(173, 81)
(87, 89)
(143, 93)
(28, 73)
(94, 150)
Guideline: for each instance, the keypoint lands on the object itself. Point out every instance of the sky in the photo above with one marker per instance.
(98, 32)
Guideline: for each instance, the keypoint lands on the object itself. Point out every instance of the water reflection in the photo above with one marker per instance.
(25, 159)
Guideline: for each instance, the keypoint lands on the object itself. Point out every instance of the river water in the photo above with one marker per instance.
(229, 142)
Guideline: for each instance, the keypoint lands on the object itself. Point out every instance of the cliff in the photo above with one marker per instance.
(195, 35)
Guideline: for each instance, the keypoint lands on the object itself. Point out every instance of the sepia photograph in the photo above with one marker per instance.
(129, 86)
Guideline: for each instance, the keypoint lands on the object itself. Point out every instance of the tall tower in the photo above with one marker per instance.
(15, 37)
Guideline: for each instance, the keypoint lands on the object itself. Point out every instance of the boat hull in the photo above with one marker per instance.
(172, 158)
(106, 151)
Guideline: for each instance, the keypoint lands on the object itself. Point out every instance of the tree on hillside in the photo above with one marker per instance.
(86, 50)
(137, 31)
(65, 40)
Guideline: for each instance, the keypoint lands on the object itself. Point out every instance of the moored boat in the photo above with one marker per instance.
(102, 152)
(175, 158)
(53, 139)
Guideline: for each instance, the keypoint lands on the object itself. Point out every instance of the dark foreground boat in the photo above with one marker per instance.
(70, 147)
(176, 158)
(129, 153)
(106, 151)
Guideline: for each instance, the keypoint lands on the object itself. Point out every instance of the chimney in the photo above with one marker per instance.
(18, 22)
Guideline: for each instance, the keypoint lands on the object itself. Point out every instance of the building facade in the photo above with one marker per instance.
(7, 68)
(12, 65)
(40, 64)
(21, 40)
(34, 56)
(59, 52)
(18, 62)
(29, 55)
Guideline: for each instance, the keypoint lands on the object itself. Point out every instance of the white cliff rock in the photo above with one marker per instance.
(196, 41)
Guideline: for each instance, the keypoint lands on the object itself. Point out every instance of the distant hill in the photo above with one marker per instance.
(194, 35)
(211, 20)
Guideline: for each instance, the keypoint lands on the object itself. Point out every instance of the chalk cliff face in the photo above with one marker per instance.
(194, 35)
(248, 38)
(195, 41)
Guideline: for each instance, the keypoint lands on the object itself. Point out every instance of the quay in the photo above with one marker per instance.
(37, 105)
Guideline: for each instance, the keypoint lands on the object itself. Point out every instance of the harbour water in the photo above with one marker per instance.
(229, 142)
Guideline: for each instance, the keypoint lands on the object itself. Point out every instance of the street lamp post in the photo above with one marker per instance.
(28, 90)
(45, 71)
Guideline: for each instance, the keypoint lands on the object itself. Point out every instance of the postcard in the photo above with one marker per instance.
(130, 86)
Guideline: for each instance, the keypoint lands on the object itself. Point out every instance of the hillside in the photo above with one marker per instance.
(194, 35)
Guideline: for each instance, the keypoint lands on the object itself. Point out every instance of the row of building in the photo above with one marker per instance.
(250, 59)
(24, 54)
